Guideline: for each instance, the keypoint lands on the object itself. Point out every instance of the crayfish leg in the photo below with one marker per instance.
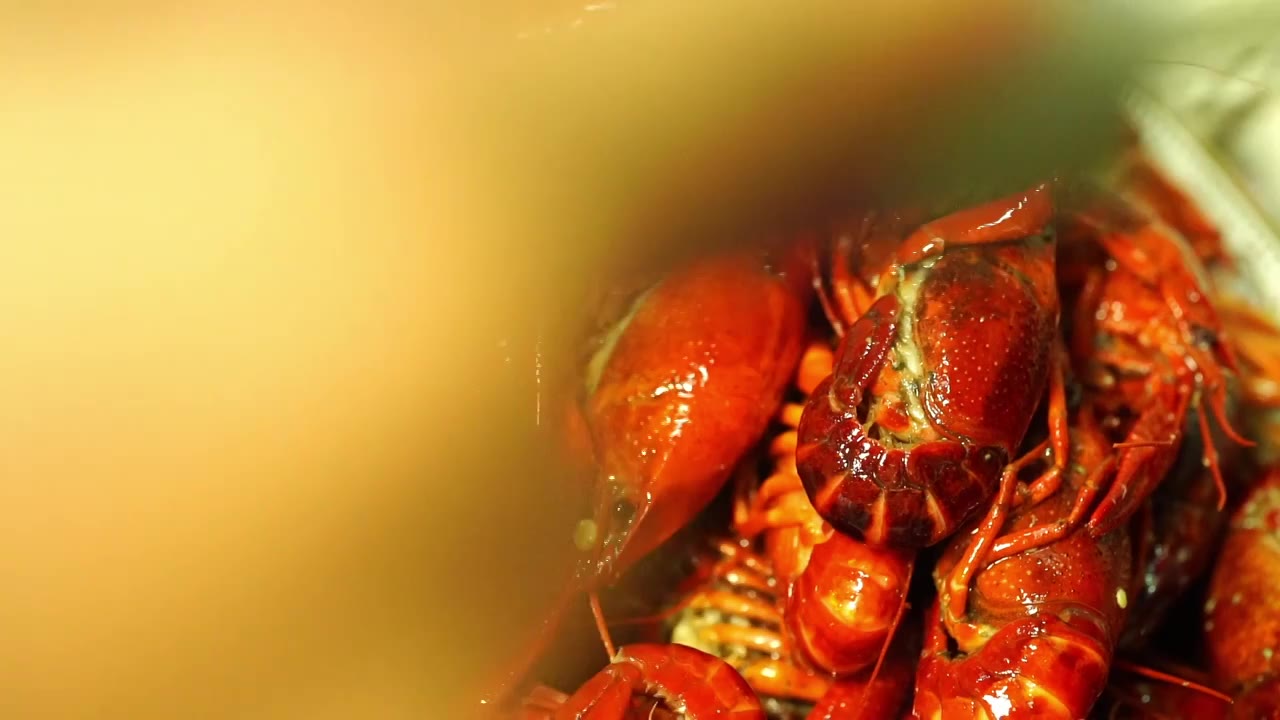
(1145, 459)
(602, 625)
(758, 639)
(1211, 458)
(1033, 538)
(779, 679)
(1059, 443)
(780, 502)
(1059, 431)
(1218, 405)
(1146, 454)
(816, 365)
(976, 555)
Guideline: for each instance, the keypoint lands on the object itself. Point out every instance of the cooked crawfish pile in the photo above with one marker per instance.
(1014, 461)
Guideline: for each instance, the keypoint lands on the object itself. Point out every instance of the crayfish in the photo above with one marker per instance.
(958, 464)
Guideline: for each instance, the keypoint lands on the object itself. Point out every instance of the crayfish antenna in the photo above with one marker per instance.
(888, 640)
(1211, 460)
(602, 626)
(1219, 407)
(1160, 676)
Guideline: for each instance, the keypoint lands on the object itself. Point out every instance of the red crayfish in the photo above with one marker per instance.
(936, 381)
(1007, 403)
(689, 382)
(1146, 326)
(1046, 616)
(680, 387)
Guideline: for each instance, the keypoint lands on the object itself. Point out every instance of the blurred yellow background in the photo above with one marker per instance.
(275, 284)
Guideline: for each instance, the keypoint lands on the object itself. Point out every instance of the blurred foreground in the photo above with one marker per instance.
(287, 297)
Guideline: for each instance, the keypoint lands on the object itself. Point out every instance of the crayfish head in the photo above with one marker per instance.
(606, 537)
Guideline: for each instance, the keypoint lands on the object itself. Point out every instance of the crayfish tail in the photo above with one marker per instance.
(835, 633)
(1059, 668)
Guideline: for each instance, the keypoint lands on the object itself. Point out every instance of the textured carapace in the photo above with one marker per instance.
(935, 384)
(1146, 332)
(842, 609)
(1242, 612)
(1043, 622)
(643, 680)
(687, 384)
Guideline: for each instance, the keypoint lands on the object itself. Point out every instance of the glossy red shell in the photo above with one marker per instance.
(971, 333)
(1242, 612)
(1042, 624)
(985, 321)
(841, 608)
(701, 686)
(691, 384)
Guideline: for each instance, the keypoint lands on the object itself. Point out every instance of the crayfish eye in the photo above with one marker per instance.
(624, 514)
(1075, 394)
(1203, 338)
(613, 530)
